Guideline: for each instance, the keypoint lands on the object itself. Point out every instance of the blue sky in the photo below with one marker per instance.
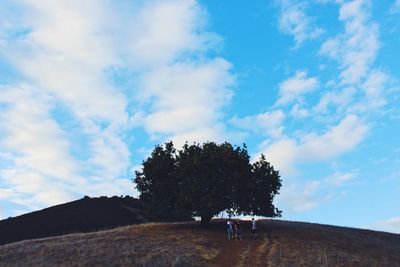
(87, 88)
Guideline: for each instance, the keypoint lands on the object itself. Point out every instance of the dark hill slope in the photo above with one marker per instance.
(279, 243)
(84, 215)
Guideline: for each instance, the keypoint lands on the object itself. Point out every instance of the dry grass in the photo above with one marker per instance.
(279, 244)
(144, 245)
(300, 244)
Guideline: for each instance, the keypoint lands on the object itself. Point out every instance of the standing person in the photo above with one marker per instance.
(253, 228)
(229, 228)
(238, 230)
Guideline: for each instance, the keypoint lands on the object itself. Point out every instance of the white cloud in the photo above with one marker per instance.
(338, 139)
(313, 147)
(282, 154)
(389, 225)
(65, 55)
(167, 30)
(339, 178)
(38, 149)
(295, 87)
(108, 148)
(267, 123)
(374, 91)
(6, 193)
(34, 134)
(298, 112)
(40, 170)
(355, 51)
(294, 21)
(340, 99)
(356, 48)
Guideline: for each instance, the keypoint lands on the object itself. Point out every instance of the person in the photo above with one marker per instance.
(229, 228)
(253, 228)
(238, 230)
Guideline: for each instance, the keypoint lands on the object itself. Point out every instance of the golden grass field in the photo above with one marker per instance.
(279, 243)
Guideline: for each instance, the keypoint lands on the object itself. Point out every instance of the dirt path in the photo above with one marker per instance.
(258, 250)
(244, 253)
(229, 254)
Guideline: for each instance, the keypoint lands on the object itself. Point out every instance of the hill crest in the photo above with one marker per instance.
(279, 243)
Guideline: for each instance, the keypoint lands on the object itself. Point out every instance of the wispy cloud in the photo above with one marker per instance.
(303, 196)
(339, 178)
(295, 87)
(41, 170)
(271, 123)
(336, 100)
(298, 112)
(39, 153)
(375, 92)
(167, 31)
(293, 20)
(363, 87)
(389, 225)
(267, 123)
(314, 147)
(356, 48)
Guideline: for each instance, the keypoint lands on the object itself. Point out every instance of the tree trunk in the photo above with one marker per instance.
(205, 219)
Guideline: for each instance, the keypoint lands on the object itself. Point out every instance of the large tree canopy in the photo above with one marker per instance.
(203, 180)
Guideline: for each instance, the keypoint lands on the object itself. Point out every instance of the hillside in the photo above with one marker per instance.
(279, 243)
(83, 215)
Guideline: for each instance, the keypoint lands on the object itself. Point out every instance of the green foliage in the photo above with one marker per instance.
(158, 185)
(203, 180)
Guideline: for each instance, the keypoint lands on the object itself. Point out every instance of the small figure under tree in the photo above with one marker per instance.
(204, 180)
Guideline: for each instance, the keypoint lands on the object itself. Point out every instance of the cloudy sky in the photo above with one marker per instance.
(87, 88)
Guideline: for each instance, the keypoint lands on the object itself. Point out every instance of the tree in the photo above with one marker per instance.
(203, 180)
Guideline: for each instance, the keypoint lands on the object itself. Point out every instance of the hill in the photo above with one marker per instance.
(83, 215)
(279, 243)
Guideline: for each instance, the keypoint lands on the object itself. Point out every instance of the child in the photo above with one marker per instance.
(238, 230)
(229, 228)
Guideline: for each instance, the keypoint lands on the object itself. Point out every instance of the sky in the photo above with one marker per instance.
(88, 88)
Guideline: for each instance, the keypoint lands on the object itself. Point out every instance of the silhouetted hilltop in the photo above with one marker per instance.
(83, 215)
